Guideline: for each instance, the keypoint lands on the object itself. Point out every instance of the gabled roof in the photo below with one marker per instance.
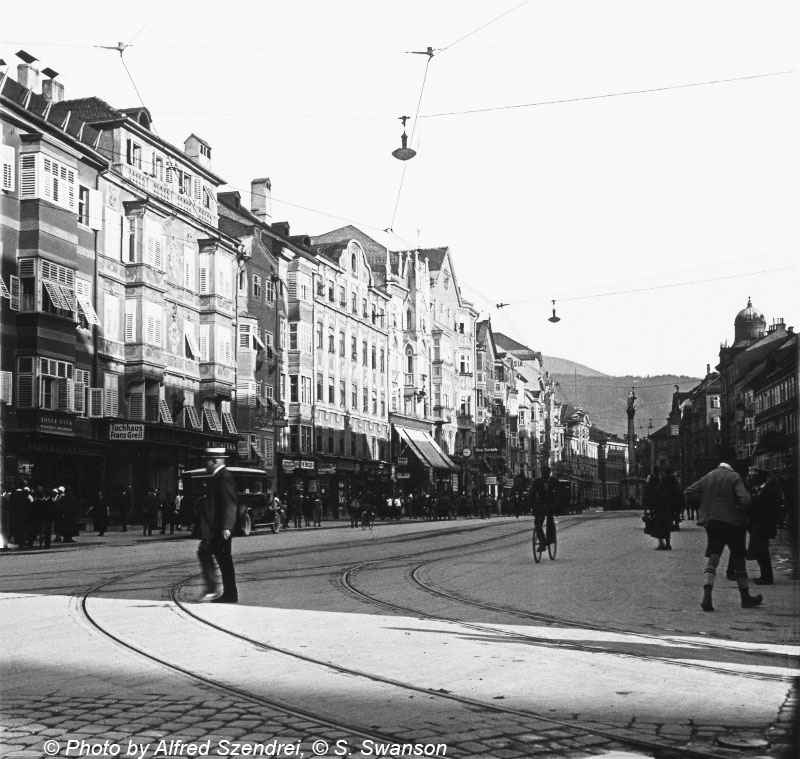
(91, 109)
(434, 256)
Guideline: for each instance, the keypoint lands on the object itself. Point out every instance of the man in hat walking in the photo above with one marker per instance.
(215, 520)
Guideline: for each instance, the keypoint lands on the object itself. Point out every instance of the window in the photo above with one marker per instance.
(294, 388)
(374, 313)
(331, 392)
(269, 290)
(293, 337)
(331, 341)
(49, 388)
(153, 323)
(374, 402)
(330, 290)
(256, 285)
(320, 338)
(153, 245)
(133, 153)
(305, 438)
(354, 397)
(365, 401)
(7, 164)
(342, 393)
(223, 346)
(354, 303)
(303, 286)
(341, 344)
(242, 282)
(306, 343)
(364, 307)
(283, 326)
(305, 390)
(364, 352)
(342, 296)
(354, 348)
(320, 393)
(294, 438)
(374, 357)
(83, 205)
(42, 177)
(383, 361)
(111, 313)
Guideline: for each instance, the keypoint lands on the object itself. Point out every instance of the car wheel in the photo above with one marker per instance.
(277, 522)
(247, 524)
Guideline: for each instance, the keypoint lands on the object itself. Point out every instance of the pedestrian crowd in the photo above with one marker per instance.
(35, 516)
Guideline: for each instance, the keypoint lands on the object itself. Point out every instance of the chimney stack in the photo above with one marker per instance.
(51, 89)
(708, 369)
(261, 199)
(27, 73)
(282, 228)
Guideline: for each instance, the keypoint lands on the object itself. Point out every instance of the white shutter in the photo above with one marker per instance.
(6, 387)
(153, 254)
(197, 189)
(29, 176)
(112, 234)
(229, 423)
(111, 400)
(203, 342)
(79, 397)
(130, 321)
(163, 411)
(4, 293)
(96, 403)
(64, 396)
(204, 274)
(8, 161)
(95, 209)
(111, 317)
(88, 309)
(127, 252)
(194, 419)
(212, 419)
(188, 331)
(16, 292)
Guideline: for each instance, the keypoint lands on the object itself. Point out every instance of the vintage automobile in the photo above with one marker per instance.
(255, 506)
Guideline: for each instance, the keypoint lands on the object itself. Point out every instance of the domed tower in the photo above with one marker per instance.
(749, 326)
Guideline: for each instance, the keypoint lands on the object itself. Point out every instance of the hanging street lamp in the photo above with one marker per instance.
(404, 153)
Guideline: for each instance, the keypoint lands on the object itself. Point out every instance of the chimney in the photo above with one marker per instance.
(198, 150)
(28, 77)
(51, 89)
(282, 228)
(708, 369)
(261, 199)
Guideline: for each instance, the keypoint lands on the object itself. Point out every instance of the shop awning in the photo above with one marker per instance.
(425, 448)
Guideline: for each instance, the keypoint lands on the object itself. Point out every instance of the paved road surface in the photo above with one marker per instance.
(433, 634)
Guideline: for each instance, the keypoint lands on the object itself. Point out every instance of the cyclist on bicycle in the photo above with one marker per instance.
(544, 497)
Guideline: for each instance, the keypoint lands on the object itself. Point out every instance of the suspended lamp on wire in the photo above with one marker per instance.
(555, 319)
(404, 153)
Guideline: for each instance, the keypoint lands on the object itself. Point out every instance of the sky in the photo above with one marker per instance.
(650, 217)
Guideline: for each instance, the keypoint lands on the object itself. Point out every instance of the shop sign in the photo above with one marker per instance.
(454, 482)
(508, 482)
(307, 465)
(404, 476)
(486, 450)
(58, 424)
(289, 466)
(491, 480)
(122, 431)
(243, 448)
(326, 469)
(402, 461)
(24, 467)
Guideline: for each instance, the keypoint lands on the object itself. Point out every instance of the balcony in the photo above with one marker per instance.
(443, 414)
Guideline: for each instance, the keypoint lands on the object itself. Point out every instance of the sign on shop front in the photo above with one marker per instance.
(491, 480)
(123, 431)
(289, 466)
(306, 464)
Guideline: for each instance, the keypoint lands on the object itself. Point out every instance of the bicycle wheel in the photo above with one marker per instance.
(538, 547)
(552, 544)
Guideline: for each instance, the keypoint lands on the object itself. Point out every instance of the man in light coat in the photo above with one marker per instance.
(723, 501)
(215, 519)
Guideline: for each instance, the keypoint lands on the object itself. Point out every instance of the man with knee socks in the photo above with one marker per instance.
(723, 501)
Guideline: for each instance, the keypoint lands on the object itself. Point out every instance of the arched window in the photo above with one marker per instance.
(409, 360)
(354, 263)
(409, 324)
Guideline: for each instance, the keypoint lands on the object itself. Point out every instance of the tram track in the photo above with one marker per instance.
(608, 732)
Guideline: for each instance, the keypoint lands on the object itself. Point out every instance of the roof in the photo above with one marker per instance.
(434, 256)
(91, 109)
(41, 109)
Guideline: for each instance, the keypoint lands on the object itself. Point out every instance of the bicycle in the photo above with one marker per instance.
(546, 538)
(368, 520)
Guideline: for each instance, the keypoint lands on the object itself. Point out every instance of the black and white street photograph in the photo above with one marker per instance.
(399, 379)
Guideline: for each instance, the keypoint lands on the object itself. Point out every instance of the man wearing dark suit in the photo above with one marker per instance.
(215, 520)
(723, 500)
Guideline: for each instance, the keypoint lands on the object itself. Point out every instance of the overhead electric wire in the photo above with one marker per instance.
(605, 95)
(482, 26)
(146, 23)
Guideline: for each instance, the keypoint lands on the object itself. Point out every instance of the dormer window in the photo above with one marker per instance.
(205, 151)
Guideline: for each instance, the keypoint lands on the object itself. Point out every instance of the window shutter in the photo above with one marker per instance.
(28, 176)
(79, 397)
(212, 419)
(189, 267)
(136, 405)
(8, 162)
(95, 209)
(154, 245)
(130, 321)
(64, 395)
(291, 285)
(111, 403)
(163, 411)
(16, 292)
(111, 317)
(6, 387)
(194, 419)
(26, 391)
(229, 423)
(204, 274)
(203, 342)
(95, 409)
(197, 189)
